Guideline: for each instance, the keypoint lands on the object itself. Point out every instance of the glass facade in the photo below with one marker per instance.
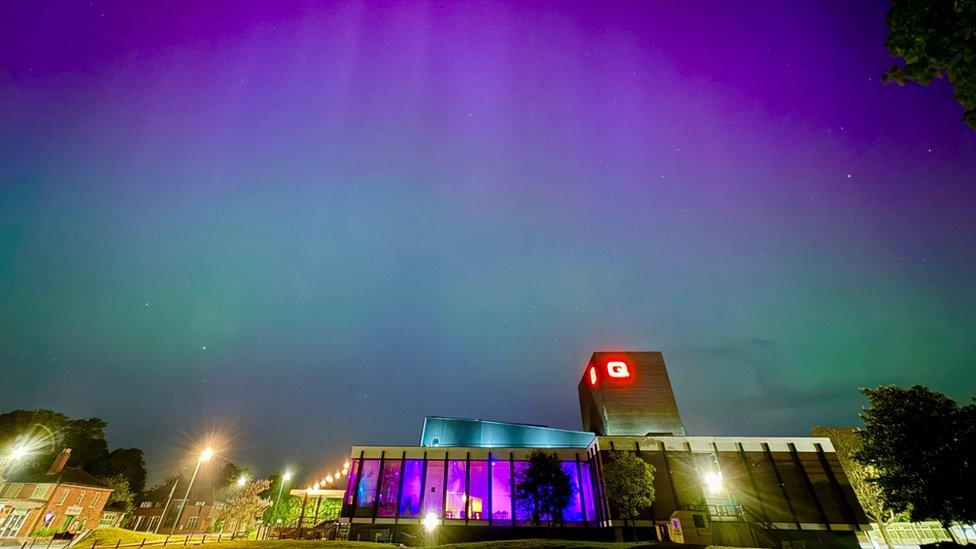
(434, 488)
(501, 490)
(455, 489)
(413, 471)
(456, 494)
(389, 486)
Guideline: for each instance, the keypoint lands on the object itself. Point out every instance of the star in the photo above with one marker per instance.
(204, 347)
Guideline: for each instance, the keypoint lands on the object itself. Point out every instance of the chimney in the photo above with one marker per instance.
(59, 462)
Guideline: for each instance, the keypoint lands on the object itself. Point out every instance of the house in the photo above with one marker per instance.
(112, 516)
(160, 506)
(64, 499)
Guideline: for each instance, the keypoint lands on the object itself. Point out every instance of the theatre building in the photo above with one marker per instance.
(737, 491)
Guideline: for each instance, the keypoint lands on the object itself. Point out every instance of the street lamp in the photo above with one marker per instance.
(205, 455)
(18, 453)
(281, 487)
(430, 523)
(241, 480)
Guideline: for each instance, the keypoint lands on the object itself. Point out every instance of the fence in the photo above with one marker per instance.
(172, 541)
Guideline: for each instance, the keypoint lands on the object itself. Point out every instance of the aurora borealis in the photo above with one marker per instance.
(313, 224)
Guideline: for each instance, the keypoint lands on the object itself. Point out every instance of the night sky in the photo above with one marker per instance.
(309, 226)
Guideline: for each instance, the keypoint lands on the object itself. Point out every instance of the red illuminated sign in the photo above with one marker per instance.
(617, 369)
(593, 375)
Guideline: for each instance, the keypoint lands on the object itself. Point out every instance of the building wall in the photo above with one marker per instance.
(635, 399)
(792, 483)
(461, 485)
(61, 507)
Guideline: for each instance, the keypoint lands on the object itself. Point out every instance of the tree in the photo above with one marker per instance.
(286, 509)
(121, 492)
(847, 442)
(544, 489)
(935, 38)
(128, 462)
(629, 485)
(245, 504)
(919, 445)
(47, 432)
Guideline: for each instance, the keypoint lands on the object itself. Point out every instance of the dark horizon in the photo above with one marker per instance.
(309, 226)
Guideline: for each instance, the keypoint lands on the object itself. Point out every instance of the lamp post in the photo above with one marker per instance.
(205, 455)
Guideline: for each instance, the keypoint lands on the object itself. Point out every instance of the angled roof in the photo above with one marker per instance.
(479, 433)
(68, 475)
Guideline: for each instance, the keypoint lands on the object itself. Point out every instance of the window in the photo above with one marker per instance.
(40, 491)
(434, 488)
(522, 508)
(587, 492)
(146, 504)
(351, 483)
(94, 499)
(64, 497)
(366, 491)
(478, 491)
(192, 523)
(501, 490)
(389, 486)
(14, 522)
(413, 470)
(456, 496)
(574, 510)
(108, 520)
(138, 523)
(81, 498)
(11, 490)
(153, 523)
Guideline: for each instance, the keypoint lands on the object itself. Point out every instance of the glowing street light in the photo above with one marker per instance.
(18, 452)
(281, 488)
(206, 455)
(242, 480)
(430, 522)
(713, 481)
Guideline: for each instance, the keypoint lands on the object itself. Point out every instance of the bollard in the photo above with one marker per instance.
(143, 544)
(186, 540)
(218, 536)
(118, 543)
(165, 541)
(23, 545)
(50, 541)
(93, 543)
(203, 539)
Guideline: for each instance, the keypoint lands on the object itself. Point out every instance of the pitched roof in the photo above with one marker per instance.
(68, 475)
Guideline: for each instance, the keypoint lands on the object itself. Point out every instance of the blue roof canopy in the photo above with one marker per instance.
(477, 433)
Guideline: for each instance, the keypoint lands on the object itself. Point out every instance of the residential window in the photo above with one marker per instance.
(146, 504)
(107, 520)
(14, 522)
(81, 498)
(192, 523)
(94, 500)
(64, 497)
(138, 523)
(11, 490)
(40, 491)
(153, 523)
